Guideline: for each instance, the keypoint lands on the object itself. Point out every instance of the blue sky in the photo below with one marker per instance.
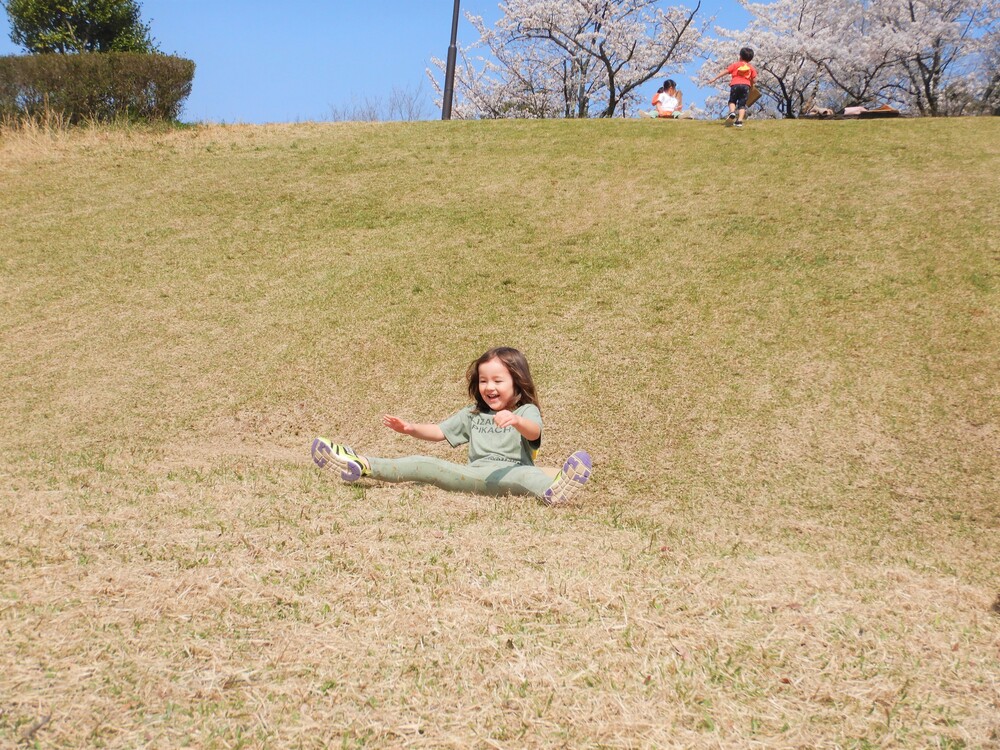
(262, 61)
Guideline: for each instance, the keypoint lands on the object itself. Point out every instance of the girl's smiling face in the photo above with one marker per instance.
(496, 385)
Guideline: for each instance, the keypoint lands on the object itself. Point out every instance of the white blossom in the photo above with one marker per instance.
(570, 58)
(926, 56)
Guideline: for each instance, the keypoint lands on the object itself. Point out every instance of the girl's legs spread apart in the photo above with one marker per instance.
(482, 479)
(488, 479)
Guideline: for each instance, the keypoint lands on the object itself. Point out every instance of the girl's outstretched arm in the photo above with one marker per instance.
(429, 432)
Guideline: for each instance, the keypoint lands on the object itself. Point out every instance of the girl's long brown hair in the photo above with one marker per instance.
(520, 373)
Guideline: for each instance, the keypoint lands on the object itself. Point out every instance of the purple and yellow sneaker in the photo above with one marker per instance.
(575, 473)
(340, 458)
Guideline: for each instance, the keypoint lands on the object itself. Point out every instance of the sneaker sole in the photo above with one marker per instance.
(575, 473)
(325, 457)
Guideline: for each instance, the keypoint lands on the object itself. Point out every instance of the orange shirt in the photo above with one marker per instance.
(742, 73)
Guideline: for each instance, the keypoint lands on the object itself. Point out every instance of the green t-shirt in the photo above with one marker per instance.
(487, 442)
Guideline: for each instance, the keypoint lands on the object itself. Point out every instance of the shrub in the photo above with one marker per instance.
(94, 87)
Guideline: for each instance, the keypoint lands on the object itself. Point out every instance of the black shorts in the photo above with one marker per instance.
(738, 94)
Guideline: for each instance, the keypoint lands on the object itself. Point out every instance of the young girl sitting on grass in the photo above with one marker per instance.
(503, 429)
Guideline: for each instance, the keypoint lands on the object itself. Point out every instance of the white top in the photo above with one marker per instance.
(667, 101)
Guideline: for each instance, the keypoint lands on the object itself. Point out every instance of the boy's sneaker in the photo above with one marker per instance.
(731, 116)
(737, 124)
(340, 458)
(575, 473)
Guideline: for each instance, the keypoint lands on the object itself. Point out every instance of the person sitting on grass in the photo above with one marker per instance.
(668, 101)
(503, 429)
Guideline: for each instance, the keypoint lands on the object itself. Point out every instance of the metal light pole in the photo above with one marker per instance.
(449, 73)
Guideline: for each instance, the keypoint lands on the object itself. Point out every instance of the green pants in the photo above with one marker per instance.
(483, 478)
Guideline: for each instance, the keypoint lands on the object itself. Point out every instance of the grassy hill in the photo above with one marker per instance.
(780, 346)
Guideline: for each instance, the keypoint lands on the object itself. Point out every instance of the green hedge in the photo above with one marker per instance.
(99, 87)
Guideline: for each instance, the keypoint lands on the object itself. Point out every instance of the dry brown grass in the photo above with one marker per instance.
(792, 535)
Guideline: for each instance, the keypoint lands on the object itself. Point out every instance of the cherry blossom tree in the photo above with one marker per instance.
(948, 38)
(987, 83)
(525, 80)
(780, 33)
(570, 58)
(926, 48)
(858, 53)
(927, 56)
(831, 53)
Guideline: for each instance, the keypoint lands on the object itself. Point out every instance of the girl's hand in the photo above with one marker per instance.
(395, 423)
(506, 418)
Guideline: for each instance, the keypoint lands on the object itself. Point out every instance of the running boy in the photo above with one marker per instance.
(744, 75)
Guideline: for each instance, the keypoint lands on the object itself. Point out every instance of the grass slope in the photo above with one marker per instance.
(780, 346)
